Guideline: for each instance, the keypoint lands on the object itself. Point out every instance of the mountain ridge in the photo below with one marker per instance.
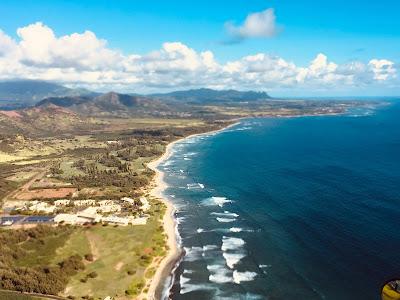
(21, 93)
(205, 95)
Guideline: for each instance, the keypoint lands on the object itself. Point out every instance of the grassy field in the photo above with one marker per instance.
(116, 258)
(5, 295)
(43, 252)
(110, 164)
(121, 255)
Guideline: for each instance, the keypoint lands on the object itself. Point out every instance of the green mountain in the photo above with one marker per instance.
(23, 93)
(108, 104)
(204, 95)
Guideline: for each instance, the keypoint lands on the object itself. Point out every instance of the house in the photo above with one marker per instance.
(145, 204)
(85, 202)
(63, 202)
(116, 220)
(41, 206)
(89, 213)
(110, 208)
(129, 200)
(66, 218)
(106, 202)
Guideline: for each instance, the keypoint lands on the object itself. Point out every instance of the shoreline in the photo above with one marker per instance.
(167, 265)
(169, 262)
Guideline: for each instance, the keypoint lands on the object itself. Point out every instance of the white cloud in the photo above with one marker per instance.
(383, 69)
(41, 48)
(84, 59)
(256, 25)
(7, 45)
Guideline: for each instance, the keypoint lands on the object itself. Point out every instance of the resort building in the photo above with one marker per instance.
(145, 204)
(62, 202)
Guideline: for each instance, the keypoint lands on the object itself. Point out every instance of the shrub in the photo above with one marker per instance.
(92, 275)
(89, 257)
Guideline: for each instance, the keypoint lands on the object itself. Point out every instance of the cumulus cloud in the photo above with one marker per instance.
(41, 48)
(86, 60)
(7, 45)
(383, 69)
(256, 25)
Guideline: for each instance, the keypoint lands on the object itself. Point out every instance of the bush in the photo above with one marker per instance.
(89, 257)
(92, 275)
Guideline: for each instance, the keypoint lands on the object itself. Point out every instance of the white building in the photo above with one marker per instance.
(89, 213)
(66, 218)
(110, 208)
(85, 202)
(145, 204)
(63, 202)
(116, 220)
(41, 206)
(129, 200)
(106, 202)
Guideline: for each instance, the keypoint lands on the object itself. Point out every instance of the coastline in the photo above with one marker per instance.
(168, 263)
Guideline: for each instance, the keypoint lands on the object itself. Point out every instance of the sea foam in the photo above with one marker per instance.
(192, 186)
(232, 259)
(239, 277)
(235, 229)
(193, 253)
(225, 220)
(231, 243)
(220, 201)
(225, 214)
(219, 274)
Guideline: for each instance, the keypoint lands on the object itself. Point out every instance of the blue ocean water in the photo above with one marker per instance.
(295, 208)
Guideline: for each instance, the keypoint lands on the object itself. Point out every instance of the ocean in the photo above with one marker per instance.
(289, 208)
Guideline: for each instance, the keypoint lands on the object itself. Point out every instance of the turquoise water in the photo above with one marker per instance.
(299, 208)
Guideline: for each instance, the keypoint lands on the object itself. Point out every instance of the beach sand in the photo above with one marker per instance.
(167, 264)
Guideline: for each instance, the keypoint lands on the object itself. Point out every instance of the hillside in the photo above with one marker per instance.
(109, 104)
(205, 95)
(45, 120)
(23, 93)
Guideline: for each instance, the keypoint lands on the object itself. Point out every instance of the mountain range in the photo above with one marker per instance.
(107, 104)
(205, 95)
(28, 106)
(24, 93)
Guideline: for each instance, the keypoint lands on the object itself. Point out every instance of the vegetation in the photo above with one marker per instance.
(97, 147)
(25, 256)
(121, 256)
(10, 295)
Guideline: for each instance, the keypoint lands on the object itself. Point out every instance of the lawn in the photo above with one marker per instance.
(42, 252)
(6, 295)
(121, 255)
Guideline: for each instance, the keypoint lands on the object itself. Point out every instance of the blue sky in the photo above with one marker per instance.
(344, 31)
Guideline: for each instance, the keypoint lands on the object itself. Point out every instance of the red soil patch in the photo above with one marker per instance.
(147, 250)
(45, 193)
(11, 113)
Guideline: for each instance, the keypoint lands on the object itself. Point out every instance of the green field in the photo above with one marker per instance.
(121, 255)
(5, 295)
(116, 258)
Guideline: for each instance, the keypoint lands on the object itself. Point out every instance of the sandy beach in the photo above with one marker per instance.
(167, 264)
(169, 223)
